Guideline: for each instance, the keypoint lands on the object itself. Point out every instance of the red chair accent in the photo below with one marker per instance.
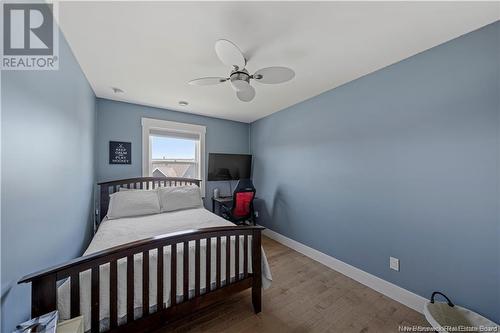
(243, 204)
(241, 209)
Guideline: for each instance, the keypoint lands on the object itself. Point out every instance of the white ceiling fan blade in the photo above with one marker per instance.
(247, 94)
(229, 53)
(274, 75)
(207, 81)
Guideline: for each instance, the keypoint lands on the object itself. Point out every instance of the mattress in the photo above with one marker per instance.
(120, 231)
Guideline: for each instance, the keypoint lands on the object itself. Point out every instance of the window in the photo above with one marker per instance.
(173, 149)
(173, 157)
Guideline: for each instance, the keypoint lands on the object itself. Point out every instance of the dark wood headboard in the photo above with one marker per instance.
(108, 188)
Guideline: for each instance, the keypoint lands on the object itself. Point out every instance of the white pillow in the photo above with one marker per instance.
(179, 197)
(133, 203)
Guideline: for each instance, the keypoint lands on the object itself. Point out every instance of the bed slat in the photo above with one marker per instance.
(256, 272)
(245, 256)
(218, 268)
(75, 294)
(237, 257)
(208, 265)
(197, 269)
(185, 273)
(43, 295)
(130, 288)
(94, 300)
(159, 279)
(145, 283)
(173, 275)
(113, 294)
(228, 260)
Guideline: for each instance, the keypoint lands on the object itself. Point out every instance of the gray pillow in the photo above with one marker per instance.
(179, 197)
(133, 203)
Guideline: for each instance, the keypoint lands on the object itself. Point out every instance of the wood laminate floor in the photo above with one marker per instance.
(305, 297)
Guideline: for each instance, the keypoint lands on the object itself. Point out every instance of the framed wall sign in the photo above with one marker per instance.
(120, 152)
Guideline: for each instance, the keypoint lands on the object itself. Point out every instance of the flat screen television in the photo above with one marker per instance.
(229, 166)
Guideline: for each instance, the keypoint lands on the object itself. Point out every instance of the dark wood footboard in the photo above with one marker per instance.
(44, 283)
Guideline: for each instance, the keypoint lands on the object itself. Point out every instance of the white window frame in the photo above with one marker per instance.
(157, 125)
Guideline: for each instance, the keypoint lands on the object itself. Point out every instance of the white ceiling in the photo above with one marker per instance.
(152, 49)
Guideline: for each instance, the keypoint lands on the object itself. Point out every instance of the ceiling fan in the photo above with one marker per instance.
(239, 77)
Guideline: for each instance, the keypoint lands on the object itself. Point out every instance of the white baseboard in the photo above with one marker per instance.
(388, 289)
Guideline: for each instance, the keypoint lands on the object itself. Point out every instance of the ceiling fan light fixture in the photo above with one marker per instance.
(239, 84)
(239, 80)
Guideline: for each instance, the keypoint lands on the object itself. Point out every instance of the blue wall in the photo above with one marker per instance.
(48, 123)
(122, 122)
(402, 162)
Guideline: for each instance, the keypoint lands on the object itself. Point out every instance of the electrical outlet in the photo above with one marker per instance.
(394, 263)
(256, 214)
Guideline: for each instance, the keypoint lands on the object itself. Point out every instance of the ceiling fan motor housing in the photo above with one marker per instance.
(239, 80)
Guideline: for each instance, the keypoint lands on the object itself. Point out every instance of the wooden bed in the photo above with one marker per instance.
(44, 283)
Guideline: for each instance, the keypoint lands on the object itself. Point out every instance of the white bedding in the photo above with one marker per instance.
(120, 231)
